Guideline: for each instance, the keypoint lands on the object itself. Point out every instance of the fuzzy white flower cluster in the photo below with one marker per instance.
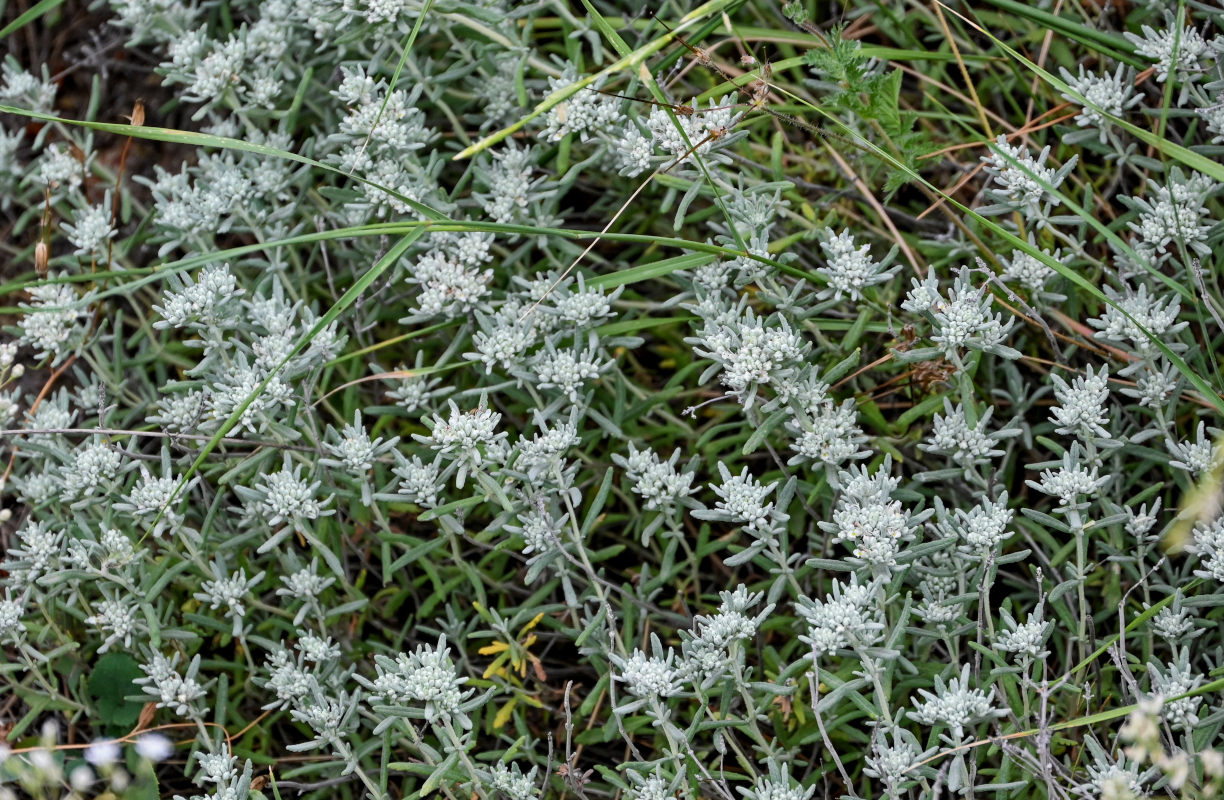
(1100, 95)
(468, 439)
(12, 629)
(965, 443)
(1175, 216)
(512, 783)
(954, 703)
(420, 482)
(205, 301)
(54, 319)
(58, 168)
(355, 451)
(657, 482)
(304, 586)
(541, 530)
(180, 693)
(91, 228)
(1207, 542)
(451, 279)
(36, 553)
(706, 647)
(22, 88)
(1071, 480)
(653, 787)
(1142, 308)
(288, 677)
(750, 352)
(1081, 410)
(569, 370)
(1178, 51)
(1025, 183)
(510, 183)
(846, 618)
(701, 130)
(1200, 455)
(585, 112)
(1029, 271)
(229, 592)
(742, 500)
(893, 763)
(1026, 639)
(829, 433)
(778, 786)
(427, 677)
(544, 454)
(284, 502)
(115, 621)
(647, 677)
(849, 269)
(1171, 680)
(868, 520)
(963, 318)
(91, 469)
(981, 529)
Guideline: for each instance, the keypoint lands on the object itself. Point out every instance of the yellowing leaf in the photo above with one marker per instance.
(503, 714)
(530, 625)
(498, 667)
(490, 649)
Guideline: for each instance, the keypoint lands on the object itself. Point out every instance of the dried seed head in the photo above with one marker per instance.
(41, 256)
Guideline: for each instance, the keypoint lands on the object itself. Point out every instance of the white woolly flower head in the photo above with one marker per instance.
(955, 703)
(849, 268)
(1099, 95)
(846, 618)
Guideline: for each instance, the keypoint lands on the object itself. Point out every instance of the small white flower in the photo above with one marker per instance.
(93, 466)
(1175, 215)
(1071, 480)
(103, 752)
(228, 593)
(12, 629)
(742, 500)
(466, 438)
(868, 520)
(965, 444)
(427, 677)
(568, 370)
(1105, 94)
(1184, 52)
(657, 482)
(848, 269)
(845, 618)
(512, 783)
(1158, 315)
(648, 677)
(179, 693)
(1208, 544)
(1029, 271)
(207, 300)
(91, 228)
(1198, 456)
(54, 318)
(1024, 639)
(584, 112)
(1082, 409)
(778, 786)
(1172, 680)
(1025, 182)
(954, 704)
(154, 747)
